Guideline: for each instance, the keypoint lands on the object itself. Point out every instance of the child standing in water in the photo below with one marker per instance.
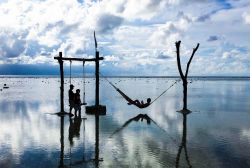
(77, 101)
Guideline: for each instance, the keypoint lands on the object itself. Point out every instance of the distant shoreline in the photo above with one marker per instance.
(170, 77)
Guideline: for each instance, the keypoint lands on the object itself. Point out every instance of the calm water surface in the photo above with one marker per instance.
(215, 134)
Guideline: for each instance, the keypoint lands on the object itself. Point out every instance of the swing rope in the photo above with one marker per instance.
(83, 72)
(70, 72)
(129, 99)
(176, 81)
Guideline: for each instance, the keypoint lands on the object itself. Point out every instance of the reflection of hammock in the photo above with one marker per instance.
(136, 118)
(130, 101)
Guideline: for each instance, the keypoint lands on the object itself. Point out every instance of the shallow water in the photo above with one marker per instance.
(215, 134)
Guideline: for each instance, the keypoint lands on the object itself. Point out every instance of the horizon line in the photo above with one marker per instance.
(125, 76)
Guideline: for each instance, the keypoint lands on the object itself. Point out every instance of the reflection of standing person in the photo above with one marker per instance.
(74, 128)
(77, 102)
(71, 98)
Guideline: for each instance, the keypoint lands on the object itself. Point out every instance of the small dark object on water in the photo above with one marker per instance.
(5, 86)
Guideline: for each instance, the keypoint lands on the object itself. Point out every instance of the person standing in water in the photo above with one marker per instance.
(77, 102)
(71, 98)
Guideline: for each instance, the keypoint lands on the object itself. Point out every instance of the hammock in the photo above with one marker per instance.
(137, 102)
(130, 101)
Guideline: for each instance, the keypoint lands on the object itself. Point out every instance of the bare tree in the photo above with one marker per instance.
(184, 77)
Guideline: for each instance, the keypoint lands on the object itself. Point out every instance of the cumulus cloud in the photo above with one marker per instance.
(167, 34)
(246, 17)
(108, 22)
(13, 44)
(131, 34)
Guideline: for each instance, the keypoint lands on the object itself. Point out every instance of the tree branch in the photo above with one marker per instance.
(177, 44)
(190, 59)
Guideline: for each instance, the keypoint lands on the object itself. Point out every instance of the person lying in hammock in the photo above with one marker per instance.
(134, 102)
(140, 104)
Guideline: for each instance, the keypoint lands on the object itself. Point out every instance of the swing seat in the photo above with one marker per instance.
(63, 113)
(93, 110)
(83, 104)
(184, 111)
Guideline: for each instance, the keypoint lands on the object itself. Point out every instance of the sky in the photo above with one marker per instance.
(135, 37)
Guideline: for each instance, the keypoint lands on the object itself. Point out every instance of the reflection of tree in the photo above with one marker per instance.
(136, 118)
(183, 143)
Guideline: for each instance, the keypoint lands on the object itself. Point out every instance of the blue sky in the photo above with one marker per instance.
(135, 37)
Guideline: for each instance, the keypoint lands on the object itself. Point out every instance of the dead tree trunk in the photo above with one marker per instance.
(184, 77)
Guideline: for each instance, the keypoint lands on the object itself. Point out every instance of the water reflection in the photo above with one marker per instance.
(74, 128)
(31, 138)
(136, 118)
(183, 145)
(61, 164)
(139, 117)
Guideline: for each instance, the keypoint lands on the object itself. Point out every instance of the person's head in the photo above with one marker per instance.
(148, 100)
(71, 86)
(77, 90)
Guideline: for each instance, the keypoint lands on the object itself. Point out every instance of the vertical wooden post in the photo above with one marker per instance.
(97, 104)
(62, 82)
(97, 108)
(97, 78)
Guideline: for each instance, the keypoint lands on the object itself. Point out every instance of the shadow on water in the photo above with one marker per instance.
(183, 144)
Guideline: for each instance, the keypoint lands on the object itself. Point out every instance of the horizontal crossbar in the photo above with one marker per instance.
(77, 59)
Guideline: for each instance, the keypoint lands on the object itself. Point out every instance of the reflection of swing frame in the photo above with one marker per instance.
(84, 160)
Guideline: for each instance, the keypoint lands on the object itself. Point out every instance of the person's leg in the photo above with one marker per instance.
(80, 110)
(71, 106)
(76, 108)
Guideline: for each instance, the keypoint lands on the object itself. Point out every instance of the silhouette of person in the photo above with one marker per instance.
(74, 128)
(77, 101)
(134, 102)
(71, 98)
(142, 116)
(136, 118)
(140, 104)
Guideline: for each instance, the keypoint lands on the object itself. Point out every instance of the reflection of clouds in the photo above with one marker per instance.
(167, 113)
(245, 133)
(136, 144)
(24, 126)
(140, 148)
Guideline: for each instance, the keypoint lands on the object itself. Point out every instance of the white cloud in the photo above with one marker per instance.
(135, 34)
(246, 17)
